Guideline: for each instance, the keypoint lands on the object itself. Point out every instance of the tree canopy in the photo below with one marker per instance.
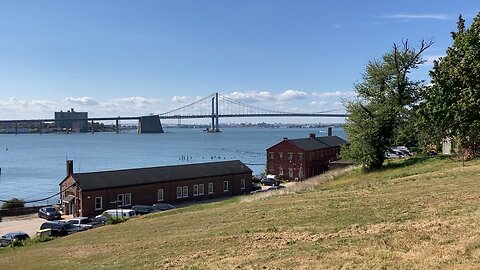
(452, 103)
(383, 105)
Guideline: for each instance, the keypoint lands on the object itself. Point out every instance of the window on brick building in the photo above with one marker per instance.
(210, 188)
(160, 195)
(98, 203)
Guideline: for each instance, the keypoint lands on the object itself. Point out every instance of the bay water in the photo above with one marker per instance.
(33, 165)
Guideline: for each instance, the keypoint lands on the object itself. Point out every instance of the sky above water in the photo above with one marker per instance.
(124, 58)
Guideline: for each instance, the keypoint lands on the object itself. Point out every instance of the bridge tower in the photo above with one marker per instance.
(214, 127)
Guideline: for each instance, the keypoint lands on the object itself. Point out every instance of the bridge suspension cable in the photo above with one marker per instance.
(188, 105)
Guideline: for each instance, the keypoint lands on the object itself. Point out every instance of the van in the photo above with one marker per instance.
(119, 213)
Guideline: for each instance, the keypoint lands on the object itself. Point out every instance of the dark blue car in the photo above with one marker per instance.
(49, 213)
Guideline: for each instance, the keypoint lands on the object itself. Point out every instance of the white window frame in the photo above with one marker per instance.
(101, 203)
(290, 172)
(129, 200)
(225, 184)
(195, 190)
(201, 189)
(121, 201)
(242, 183)
(280, 155)
(290, 155)
(179, 192)
(160, 195)
(210, 188)
(300, 156)
(272, 155)
(185, 191)
(280, 171)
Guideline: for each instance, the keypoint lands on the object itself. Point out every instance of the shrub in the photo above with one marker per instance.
(114, 220)
(13, 203)
(31, 241)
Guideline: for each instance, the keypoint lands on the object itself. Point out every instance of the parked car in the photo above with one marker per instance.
(8, 238)
(258, 191)
(49, 213)
(98, 221)
(143, 209)
(163, 206)
(60, 228)
(275, 187)
(83, 222)
(119, 213)
(270, 182)
(255, 187)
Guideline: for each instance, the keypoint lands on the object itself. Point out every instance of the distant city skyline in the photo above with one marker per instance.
(122, 58)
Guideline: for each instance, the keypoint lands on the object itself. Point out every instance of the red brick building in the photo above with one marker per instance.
(89, 194)
(298, 159)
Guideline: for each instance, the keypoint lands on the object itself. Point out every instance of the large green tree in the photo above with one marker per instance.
(383, 105)
(452, 104)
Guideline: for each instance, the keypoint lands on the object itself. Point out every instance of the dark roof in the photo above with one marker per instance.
(143, 176)
(332, 140)
(314, 143)
(308, 144)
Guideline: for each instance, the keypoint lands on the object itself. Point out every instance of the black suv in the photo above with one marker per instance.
(270, 182)
(8, 238)
(143, 209)
(163, 206)
(61, 228)
(49, 213)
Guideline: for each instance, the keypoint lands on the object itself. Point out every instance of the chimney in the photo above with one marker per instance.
(329, 131)
(69, 167)
(312, 135)
(285, 138)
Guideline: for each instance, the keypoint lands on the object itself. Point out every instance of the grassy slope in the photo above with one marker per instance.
(425, 214)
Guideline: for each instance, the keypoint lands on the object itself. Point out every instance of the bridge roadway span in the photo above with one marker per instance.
(180, 117)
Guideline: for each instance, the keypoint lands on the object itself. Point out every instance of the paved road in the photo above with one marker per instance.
(27, 223)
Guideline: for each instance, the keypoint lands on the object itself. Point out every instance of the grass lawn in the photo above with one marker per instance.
(416, 214)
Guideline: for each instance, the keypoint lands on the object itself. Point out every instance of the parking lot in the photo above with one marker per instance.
(27, 223)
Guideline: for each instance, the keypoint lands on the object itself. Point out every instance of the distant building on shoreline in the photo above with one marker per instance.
(71, 120)
(298, 159)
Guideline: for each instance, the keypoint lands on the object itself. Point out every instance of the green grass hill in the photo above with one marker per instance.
(416, 214)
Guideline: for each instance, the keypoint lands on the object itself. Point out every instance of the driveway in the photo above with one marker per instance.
(27, 223)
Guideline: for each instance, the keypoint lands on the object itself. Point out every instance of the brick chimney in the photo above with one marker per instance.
(312, 135)
(69, 167)
(329, 131)
(285, 138)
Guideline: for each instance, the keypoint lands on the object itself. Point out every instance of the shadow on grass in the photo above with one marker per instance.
(411, 161)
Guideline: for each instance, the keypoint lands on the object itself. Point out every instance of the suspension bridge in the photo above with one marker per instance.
(214, 107)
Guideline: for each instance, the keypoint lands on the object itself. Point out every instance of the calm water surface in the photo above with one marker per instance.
(32, 165)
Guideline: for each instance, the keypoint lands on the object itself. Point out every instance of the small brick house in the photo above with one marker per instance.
(89, 194)
(298, 159)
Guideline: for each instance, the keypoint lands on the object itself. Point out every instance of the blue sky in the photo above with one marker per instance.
(138, 57)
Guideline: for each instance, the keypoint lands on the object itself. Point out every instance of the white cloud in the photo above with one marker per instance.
(135, 101)
(181, 99)
(85, 101)
(250, 96)
(329, 94)
(292, 94)
(407, 16)
(318, 103)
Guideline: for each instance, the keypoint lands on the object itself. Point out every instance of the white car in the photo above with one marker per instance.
(81, 222)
